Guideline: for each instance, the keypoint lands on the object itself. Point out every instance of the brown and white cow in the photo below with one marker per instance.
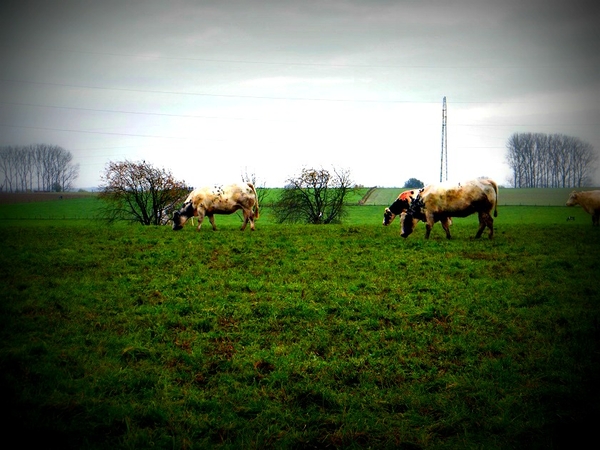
(208, 201)
(589, 201)
(438, 202)
(401, 205)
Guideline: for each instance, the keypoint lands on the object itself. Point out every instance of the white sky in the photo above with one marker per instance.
(213, 89)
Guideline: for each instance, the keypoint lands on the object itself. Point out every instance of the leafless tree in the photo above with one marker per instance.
(139, 192)
(261, 191)
(40, 167)
(316, 196)
(541, 160)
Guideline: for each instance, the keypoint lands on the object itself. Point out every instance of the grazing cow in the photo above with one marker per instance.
(209, 201)
(166, 213)
(438, 202)
(401, 205)
(589, 201)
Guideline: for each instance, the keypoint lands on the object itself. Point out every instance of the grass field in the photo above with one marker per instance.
(340, 336)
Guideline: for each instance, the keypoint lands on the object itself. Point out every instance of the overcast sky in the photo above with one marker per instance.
(214, 89)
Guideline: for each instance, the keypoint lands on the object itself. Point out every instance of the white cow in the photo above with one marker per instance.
(208, 201)
(439, 202)
(589, 201)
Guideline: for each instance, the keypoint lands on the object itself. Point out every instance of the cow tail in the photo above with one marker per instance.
(256, 208)
(496, 204)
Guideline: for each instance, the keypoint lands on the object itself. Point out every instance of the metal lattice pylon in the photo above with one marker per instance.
(444, 155)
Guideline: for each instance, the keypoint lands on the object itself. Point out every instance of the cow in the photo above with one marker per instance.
(401, 205)
(166, 216)
(208, 201)
(589, 201)
(438, 202)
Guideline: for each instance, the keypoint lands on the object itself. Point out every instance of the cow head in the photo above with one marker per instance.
(572, 199)
(180, 217)
(388, 217)
(399, 205)
(410, 218)
(408, 222)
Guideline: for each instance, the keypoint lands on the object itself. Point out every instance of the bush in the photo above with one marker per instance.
(139, 192)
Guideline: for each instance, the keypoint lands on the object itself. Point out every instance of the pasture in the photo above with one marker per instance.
(338, 336)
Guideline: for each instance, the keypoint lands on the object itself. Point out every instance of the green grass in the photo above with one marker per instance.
(343, 336)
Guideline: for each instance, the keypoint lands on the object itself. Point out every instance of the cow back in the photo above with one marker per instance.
(460, 200)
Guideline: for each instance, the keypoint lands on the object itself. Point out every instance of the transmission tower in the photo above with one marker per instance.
(444, 155)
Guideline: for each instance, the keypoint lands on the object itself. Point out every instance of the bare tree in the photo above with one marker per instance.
(315, 196)
(7, 167)
(540, 160)
(36, 167)
(261, 191)
(584, 160)
(139, 192)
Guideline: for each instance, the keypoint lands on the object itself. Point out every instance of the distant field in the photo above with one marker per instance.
(28, 197)
(516, 206)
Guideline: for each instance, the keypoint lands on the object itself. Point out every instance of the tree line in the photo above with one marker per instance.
(550, 161)
(37, 167)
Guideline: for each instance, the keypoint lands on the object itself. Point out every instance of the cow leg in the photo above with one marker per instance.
(446, 225)
(251, 219)
(429, 221)
(200, 219)
(490, 224)
(211, 217)
(428, 227)
(246, 218)
(485, 220)
(481, 226)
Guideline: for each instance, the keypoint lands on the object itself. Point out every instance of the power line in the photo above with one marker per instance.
(141, 113)
(204, 94)
(296, 63)
(255, 97)
(199, 116)
(108, 133)
(93, 132)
